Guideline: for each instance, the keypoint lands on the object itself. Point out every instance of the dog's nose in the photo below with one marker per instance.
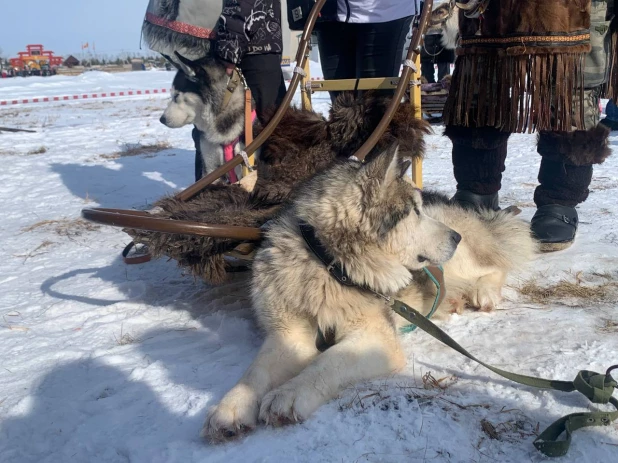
(456, 237)
(163, 120)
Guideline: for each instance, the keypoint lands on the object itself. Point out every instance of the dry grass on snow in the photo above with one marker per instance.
(138, 149)
(573, 289)
(64, 227)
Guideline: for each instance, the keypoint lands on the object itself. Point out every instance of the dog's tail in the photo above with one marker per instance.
(517, 247)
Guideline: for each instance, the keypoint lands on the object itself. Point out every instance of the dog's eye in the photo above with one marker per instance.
(175, 98)
(418, 212)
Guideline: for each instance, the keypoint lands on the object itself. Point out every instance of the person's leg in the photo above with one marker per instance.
(265, 79)
(428, 71)
(379, 52)
(567, 157)
(478, 163)
(199, 162)
(337, 45)
(444, 69)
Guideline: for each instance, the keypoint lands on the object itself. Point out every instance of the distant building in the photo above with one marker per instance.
(138, 64)
(71, 61)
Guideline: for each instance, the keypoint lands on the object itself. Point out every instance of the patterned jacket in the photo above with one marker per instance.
(248, 27)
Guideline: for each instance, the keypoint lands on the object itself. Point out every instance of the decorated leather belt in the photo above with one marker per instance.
(562, 40)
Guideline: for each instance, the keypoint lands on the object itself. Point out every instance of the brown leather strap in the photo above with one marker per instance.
(248, 118)
(137, 259)
(232, 84)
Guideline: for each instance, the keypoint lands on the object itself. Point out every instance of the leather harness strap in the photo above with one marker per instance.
(232, 84)
(337, 271)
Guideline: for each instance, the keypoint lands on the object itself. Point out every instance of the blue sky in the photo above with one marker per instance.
(62, 25)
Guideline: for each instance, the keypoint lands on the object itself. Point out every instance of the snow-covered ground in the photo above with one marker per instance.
(104, 362)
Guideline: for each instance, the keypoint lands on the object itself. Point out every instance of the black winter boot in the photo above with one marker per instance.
(564, 177)
(555, 226)
(469, 200)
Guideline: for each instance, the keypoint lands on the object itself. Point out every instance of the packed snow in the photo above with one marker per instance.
(105, 362)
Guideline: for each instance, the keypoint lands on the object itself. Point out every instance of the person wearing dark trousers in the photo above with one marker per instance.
(434, 53)
(366, 40)
(438, 46)
(249, 37)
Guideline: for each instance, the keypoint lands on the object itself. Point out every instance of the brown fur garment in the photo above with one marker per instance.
(578, 148)
(505, 77)
(504, 17)
(218, 204)
(303, 144)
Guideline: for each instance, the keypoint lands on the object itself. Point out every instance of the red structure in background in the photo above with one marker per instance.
(36, 61)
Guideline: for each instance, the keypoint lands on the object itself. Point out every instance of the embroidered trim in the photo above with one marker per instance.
(183, 28)
(526, 39)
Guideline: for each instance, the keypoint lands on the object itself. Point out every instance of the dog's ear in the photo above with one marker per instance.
(405, 165)
(385, 167)
(191, 68)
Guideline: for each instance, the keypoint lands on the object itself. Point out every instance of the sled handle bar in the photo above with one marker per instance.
(141, 220)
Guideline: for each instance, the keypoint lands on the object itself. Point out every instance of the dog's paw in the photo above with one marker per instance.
(235, 415)
(456, 305)
(485, 299)
(288, 404)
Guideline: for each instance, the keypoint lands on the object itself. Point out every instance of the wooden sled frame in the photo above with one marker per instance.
(142, 220)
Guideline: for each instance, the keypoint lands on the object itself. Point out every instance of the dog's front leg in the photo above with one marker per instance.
(283, 355)
(367, 352)
(212, 155)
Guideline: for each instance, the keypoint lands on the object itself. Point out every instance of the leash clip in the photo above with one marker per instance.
(245, 159)
(381, 296)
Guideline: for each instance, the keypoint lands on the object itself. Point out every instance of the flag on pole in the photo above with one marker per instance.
(84, 45)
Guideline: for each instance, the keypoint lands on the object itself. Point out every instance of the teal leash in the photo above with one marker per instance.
(436, 302)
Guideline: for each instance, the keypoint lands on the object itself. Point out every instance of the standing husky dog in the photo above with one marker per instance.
(382, 231)
(199, 101)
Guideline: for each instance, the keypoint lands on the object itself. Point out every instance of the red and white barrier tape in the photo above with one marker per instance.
(83, 96)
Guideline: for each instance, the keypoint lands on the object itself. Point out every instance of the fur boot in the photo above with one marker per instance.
(566, 168)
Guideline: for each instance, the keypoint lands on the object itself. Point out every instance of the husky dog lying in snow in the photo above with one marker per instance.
(382, 231)
(199, 101)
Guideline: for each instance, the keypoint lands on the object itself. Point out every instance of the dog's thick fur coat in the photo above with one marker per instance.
(382, 230)
(199, 101)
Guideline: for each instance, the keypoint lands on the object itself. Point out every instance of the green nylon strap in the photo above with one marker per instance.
(598, 388)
